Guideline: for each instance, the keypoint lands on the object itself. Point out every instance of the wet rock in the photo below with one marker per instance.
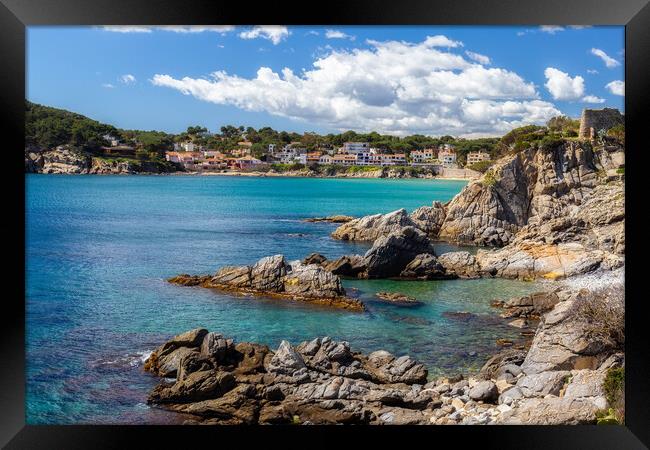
(333, 219)
(233, 276)
(390, 254)
(189, 280)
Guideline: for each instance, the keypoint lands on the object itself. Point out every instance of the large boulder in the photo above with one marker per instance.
(369, 228)
(425, 266)
(267, 274)
(312, 281)
(390, 254)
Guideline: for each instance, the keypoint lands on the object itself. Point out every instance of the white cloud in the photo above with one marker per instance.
(593, 99)
(127, 29)
(616, 87)
(222, 29)
(312, 33)
(127, 79)
(608, 60)
(391, 87)
(107, 85)
(551, 29)
(481, 59)
(338, 34)
(441, 41)
(579, 27)
(592, 71)
(562, 86)
(273, 33)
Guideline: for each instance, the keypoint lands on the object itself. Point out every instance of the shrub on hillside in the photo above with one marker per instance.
(481, 166)
(603, 316)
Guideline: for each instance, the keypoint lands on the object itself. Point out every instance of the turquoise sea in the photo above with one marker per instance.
(99, 249)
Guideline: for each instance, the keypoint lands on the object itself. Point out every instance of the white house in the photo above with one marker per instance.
(448, 158)
(112, 139)
(271, 148)
(420, 156)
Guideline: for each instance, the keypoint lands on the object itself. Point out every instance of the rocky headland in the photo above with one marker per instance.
(550, 213)
(65, 159)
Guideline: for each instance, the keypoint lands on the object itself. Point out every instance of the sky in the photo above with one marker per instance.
(466, 81)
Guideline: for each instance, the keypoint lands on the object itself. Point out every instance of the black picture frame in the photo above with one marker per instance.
(15, 15)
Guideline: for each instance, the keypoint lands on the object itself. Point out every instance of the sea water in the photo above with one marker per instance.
(99, 249)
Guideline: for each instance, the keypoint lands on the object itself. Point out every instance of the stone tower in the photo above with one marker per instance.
(594, 120)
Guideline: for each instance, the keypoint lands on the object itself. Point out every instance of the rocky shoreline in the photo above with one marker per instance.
(558, 381)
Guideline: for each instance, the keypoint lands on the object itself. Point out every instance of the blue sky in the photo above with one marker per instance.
(459, 80)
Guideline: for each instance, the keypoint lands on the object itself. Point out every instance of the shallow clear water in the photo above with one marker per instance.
(99, 249)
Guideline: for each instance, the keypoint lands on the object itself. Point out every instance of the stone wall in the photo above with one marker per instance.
(594, 120)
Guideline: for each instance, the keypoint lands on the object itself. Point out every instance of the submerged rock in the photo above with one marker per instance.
(397, 299)
(333, 219)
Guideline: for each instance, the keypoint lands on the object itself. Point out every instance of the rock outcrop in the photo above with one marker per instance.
(66, 159)
(425, 266)
(370, 228)
(273, 276)
(390, 254)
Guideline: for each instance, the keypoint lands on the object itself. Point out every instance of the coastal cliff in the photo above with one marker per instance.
(553, 212)
(67, 160)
